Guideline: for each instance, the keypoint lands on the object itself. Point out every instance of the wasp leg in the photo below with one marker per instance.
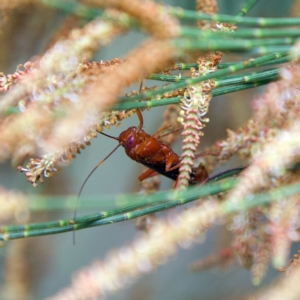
(147, 174)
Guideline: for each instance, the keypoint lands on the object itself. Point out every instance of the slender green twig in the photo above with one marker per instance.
(252, 77)
(233, 79)
(90, 13)
(75, 8)
(158, 201)
(254, 33)
(260, 22)
(175, 100)
(231, 69)
(233, 44)
(175, 198)
(223, 65)
(171, 199)
(247, 6)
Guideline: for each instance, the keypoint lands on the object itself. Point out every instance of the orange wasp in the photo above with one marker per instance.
(152, 153)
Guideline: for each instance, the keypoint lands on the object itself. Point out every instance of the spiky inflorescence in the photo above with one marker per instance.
(191, 138)
(193, 109)
(48, 164)
(121, 267)
(283, 227)
(7, 81)
(286, 288)
(55, 98)
(274, 110)
(61, 99)
(265, 137)
(150, 15)
(50, 90)
(270, 139)
(206, 6)
(63, 58)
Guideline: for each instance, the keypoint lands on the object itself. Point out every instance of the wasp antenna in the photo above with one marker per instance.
(112, 137)
(85, 181)
(141, 85)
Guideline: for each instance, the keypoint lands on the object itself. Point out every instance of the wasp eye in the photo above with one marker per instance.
(130, 143)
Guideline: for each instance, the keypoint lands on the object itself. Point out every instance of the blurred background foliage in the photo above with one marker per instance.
(47, 262)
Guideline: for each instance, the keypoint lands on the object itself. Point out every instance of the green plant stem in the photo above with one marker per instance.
(219, 73)
(252, 77)
(138, 203)
(255, 33)
(186, 66)
(91, 13)
(175, 100)
(231, 44)
(245, 9)
(233, 79)
(75, 8)
(260, 22)
(129, 203)
(175, 198)
(171, 199)
(281, 60)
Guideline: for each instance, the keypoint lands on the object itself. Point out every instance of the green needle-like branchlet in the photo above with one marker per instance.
(160, 201)
(217, 74)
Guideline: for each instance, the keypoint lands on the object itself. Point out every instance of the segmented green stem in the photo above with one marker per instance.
(260, 22)
(233, 45)
(175, 100)
(257, 33)
(75, 8)
(176, 198)
(90, 13)
(217, 74)
(231, 79)
(245, 9)
(171, 199)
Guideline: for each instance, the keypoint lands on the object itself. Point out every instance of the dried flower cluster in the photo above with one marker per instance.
(206, 6)
(285, 288)
(193, 109)
(143, 255)
(269, 140)
(69, 95)
(7, 81)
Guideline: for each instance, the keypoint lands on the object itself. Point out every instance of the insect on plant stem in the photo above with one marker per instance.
(152, 153)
